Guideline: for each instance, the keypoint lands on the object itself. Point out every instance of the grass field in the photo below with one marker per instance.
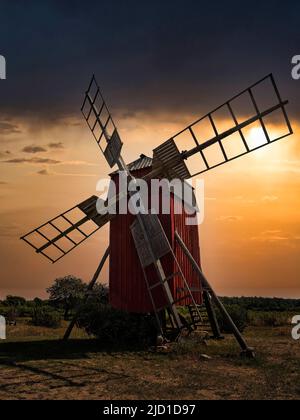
(35, 364)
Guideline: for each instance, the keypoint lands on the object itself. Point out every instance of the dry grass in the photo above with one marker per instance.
(34, 364)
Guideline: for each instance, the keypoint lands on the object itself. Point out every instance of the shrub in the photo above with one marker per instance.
(46, 317)
(11, 316)
(117, 328)
(4, 310)
(25, 311)
(37, 302)
(269, 319)
(14, 301)
(239, 316)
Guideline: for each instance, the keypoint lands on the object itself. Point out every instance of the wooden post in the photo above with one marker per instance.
(90, 287)
(212, 316)
(246, 350)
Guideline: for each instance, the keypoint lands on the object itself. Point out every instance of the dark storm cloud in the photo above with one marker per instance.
(169, 55)
(33, 149)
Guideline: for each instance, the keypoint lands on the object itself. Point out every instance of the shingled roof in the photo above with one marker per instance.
(142, 162)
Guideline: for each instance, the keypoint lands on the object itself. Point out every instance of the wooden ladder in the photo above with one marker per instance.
(199, 322)
(171, 305)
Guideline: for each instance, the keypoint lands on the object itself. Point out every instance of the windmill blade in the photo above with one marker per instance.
(61, 235)
(101, 123)
(249, 121)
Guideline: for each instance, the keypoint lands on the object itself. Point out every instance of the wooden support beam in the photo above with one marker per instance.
(212, 316)
(90, 288)
(246, 350)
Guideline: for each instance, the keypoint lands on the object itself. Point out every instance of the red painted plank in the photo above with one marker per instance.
(128, 289)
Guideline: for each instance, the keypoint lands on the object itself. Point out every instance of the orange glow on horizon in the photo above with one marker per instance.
(250, 239)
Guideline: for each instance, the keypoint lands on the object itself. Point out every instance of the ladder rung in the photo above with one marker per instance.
(192, 289)
(155, 285)
(195, 313)
(166, 306)
(195, 320)
(196, 308)
(182, 298)
(173, 275)
(162, 283)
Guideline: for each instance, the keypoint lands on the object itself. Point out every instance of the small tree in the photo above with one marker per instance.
(99, 294)
(37, 302)
(68, 292)
(14, 301)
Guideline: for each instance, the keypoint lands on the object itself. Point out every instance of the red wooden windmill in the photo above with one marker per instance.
(155, 258)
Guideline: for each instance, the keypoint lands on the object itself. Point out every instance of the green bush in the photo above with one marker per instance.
(46, 317)
(239, 316)
(117, 328)
(259, 304)
(14, 301)
(269, 319)
(4, 310)
(11, 315)
(25, 311)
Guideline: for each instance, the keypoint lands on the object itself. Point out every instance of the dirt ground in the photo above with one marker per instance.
(35, 364)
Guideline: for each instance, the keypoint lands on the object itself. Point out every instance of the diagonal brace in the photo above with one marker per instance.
(246, 350)
(90, 287)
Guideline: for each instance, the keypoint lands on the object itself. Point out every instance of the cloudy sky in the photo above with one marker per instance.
(161, 65)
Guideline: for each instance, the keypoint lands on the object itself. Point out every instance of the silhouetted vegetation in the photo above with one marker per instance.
(239, 315)
(264, 304)
(15, 301)
(115, 327)
(68, 293)
(45, 316)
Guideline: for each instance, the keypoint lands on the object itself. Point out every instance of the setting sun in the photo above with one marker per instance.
(256, 137)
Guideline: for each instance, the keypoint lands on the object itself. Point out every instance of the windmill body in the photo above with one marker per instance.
(127, 288)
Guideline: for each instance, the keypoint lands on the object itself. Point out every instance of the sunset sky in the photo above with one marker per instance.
(161, 66)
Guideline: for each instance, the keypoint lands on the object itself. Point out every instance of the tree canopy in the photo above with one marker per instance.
(67, 292)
